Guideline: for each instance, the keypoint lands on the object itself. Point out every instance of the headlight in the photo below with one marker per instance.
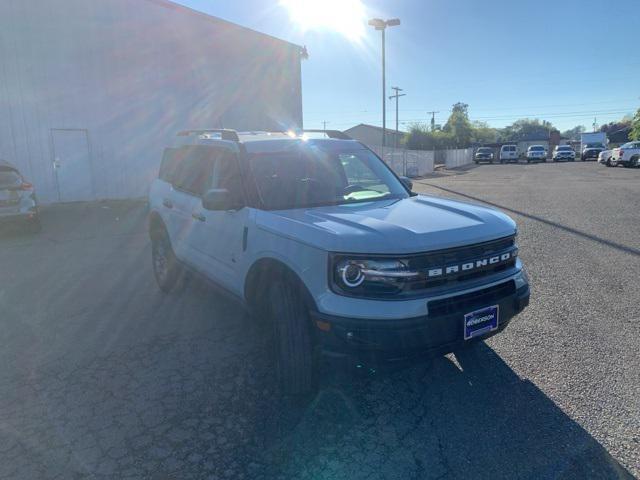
(370, 277)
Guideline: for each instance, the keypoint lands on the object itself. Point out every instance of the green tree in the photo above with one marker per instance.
(421, 137)
(574, 133)
(459, 125)
(526, 128)
(635, 127)
(483, 133)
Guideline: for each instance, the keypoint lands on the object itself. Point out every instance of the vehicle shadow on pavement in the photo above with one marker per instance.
(465, 417)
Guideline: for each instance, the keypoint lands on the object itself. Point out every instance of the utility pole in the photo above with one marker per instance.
(433, 120)
(595, 124)
(324, 127)
(397, 96)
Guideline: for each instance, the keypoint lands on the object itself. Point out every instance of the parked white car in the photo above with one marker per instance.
(508, 153)
(627, 155)
(605, 157)
(564, 152)
(536, 153)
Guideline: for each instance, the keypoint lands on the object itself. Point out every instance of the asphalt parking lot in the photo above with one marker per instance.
(101, 376)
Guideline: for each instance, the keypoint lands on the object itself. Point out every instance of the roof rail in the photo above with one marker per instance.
(225, 133)
(331, 134)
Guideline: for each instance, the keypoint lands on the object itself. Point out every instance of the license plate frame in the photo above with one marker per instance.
(475, 324)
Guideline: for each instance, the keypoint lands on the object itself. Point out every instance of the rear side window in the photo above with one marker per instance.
(226, 175)
(169, 164)
(194, 170)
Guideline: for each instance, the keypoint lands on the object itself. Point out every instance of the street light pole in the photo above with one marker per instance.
(397, 96)
(384, 90)
(382, 25)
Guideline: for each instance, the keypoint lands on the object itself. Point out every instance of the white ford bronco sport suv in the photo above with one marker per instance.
(319, 237)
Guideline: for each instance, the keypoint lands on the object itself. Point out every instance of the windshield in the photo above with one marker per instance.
(536, 149)
(594, 145)
(314, 177)
(484, 150)
(564, 148)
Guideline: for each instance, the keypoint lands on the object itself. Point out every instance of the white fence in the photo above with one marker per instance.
(410, 163)
(457, 158)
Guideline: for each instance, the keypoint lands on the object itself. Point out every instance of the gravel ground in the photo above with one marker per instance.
(102, 377)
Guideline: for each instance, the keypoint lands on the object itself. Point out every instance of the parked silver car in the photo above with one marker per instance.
(18, 201)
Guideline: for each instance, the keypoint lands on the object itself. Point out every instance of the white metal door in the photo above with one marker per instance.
(72, 165)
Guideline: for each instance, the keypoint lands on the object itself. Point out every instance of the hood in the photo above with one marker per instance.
(412, 225)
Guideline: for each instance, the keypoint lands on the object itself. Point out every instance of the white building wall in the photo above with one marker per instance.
(131, 73)
(458, 157)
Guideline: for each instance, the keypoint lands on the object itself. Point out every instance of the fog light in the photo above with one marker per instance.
(324, 326)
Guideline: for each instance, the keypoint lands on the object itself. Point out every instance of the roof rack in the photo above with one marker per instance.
(331, 134)
(225, 133)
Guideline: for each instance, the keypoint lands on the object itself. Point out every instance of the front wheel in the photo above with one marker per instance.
(165, 264)
(295, 356)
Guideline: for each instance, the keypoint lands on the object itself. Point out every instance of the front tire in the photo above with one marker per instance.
(295, 356)
(166, 269)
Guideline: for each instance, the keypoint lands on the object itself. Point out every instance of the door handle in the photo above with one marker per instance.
(167, 203)
(198, 216)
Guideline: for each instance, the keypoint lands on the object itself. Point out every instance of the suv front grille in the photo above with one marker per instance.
(458, 257)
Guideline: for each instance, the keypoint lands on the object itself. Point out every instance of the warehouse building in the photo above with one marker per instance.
(372, 136)
(92, 91)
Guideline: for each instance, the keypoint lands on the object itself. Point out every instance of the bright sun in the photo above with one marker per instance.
(347, 17)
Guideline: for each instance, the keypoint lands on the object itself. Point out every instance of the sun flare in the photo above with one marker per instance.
(346, 17)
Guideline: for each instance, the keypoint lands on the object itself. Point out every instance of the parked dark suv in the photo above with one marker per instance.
(591, 151)
(484, 154)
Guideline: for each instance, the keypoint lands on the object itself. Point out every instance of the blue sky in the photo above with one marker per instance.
(566, 61)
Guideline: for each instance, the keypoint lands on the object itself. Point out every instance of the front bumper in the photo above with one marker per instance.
(439, 332)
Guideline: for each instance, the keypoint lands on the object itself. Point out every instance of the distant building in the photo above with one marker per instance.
(372, 136)
(92, 91)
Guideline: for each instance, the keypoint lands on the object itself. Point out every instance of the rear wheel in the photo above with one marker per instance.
(165, 264)
(295, 356)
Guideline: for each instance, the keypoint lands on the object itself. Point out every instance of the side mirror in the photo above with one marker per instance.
(218, 199)
(407, 182)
